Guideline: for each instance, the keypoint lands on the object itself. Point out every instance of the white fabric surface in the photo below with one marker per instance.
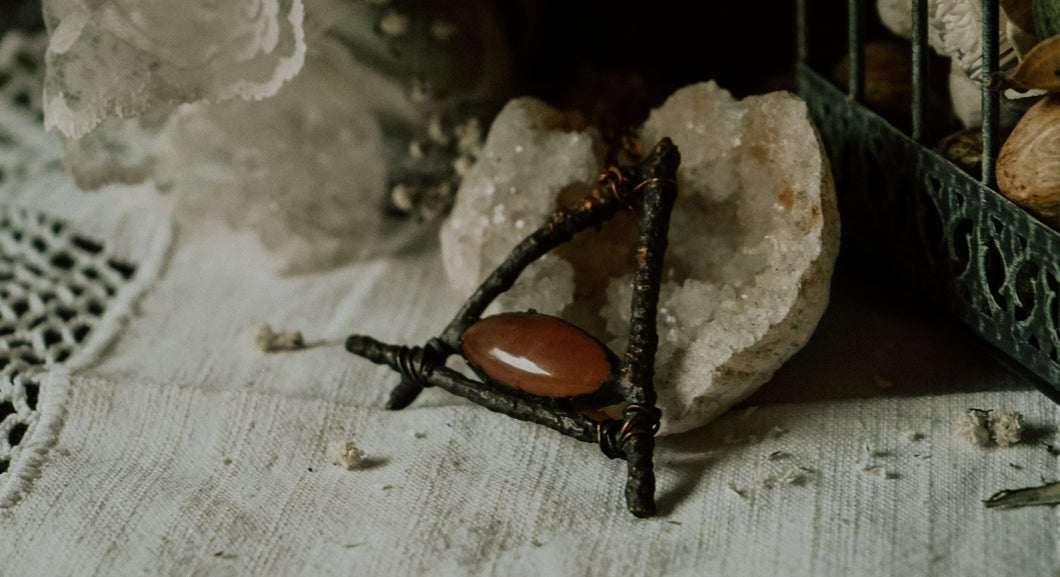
(180, 450)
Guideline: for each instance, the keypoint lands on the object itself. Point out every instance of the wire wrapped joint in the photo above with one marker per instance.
(413, 363)
(612, 435)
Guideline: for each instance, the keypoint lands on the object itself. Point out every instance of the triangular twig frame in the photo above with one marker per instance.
(653, 182)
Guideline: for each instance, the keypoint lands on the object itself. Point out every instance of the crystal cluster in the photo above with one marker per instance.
(532, 156)
(753, 238)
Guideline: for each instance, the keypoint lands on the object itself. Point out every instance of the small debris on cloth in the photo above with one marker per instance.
(345, 454)
(879, 471)
(777, 455)
(793, 477)
(263, 338)
(979, 427)
(735, 490)
(971, 425)
(1007, 427)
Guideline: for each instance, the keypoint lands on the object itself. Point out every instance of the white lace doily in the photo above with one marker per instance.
(21, 66)
(121, 59)
(63, 291)
(55, 288)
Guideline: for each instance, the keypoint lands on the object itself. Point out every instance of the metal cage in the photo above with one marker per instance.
(949, 235)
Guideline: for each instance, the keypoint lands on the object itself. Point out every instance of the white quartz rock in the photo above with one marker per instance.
(533, 154)
(753, 238)
(300, 171)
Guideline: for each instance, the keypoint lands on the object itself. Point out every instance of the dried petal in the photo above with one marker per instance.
(1028, 165)
(1007, 427)
(971, 426)
(1040, 68)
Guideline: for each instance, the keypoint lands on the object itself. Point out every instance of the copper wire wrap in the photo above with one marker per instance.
(413, 363)
(651, 180)
(613, 434)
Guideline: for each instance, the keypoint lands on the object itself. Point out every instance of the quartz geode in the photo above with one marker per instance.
(753, 238)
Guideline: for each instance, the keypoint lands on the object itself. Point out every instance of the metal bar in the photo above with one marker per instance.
(920, 71)
(990, 98)
(855, 51)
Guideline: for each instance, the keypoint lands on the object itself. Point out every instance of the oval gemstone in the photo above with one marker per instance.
(539, 354)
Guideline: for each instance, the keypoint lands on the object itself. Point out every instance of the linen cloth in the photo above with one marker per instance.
(174, 448)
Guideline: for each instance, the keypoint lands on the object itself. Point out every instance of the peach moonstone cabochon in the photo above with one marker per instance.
(538, 354)
(753, 238)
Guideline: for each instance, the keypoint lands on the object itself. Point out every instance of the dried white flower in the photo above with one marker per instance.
(266, 340)
(1007, 427)
(978, 427)
(972, 426)
(345, 454)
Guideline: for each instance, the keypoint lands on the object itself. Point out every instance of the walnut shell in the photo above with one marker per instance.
(1028, 165)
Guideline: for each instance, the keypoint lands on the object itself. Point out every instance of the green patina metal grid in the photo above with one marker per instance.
(952, 236)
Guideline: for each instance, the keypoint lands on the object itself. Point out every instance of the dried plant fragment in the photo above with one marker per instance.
(735, 490)
(955, 30)
(972, 426)
(879, 471)
(1037, 70)
(1028, 165)
(1048, 494)
(345, 454)
(791, 477)
(979, 427)
(1007, 427)
(266, 340)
